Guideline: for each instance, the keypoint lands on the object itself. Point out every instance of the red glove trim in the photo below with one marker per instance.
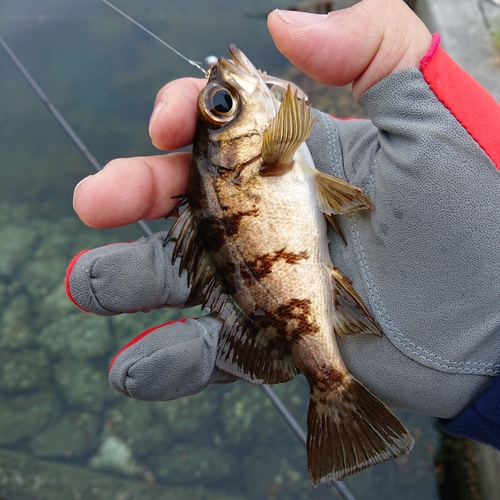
(141, 335)
(473, 107)
(68, 274)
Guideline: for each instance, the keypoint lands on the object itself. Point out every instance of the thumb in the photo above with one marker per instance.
(362, 44)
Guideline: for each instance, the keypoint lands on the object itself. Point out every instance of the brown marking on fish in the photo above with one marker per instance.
(291, 323)
(326, 378)
(212, 231)
(234, 220)
(262, 264)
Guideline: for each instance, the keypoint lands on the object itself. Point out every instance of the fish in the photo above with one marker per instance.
(251, 233)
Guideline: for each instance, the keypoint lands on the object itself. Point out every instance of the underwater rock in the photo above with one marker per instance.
(186, 415)
(56, 304)
(24, 370)
(115, 455)
(269, 474)
(16, 247)
(25, 415)
(80, 335)
(75, 434)
(43, 273)
(136, 424)
(25, 478)
(249, 416)
(188, 464)
(15, 329)
(83, 385)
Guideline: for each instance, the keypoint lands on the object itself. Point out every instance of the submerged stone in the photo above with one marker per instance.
(16, 246)
(115, 455)
(136, 424)
(188, 464)
(25, 478)
(80, 335)
(16, 331)
(186, 415)
(25, 415)
(83, 385)
(75, 434)
(24, 370)
(55, 305)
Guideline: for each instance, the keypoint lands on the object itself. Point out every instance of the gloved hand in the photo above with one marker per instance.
(424, 261)
(165, 362)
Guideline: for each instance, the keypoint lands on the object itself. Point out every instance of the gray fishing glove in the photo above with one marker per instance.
(165, 362)
(425, 260)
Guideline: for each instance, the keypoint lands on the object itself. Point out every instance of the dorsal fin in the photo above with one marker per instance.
(284, 84)
(287, 131)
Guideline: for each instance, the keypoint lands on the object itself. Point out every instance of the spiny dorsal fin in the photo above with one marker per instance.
(351, 315)
(336, 196)
(284, 84)
(288, 130)
(183, 234)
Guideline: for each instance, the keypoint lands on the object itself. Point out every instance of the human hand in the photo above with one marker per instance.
(389, 39)
(362, 44)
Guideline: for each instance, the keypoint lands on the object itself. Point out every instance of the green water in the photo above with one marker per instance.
(59, 420)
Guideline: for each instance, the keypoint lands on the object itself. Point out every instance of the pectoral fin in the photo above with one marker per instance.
(336, 196)
(351, 315)
(288, 130)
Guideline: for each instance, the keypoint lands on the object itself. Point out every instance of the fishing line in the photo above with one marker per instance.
(280, 406)
(193, 63)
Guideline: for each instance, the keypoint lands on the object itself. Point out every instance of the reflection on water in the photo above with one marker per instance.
(63, 432)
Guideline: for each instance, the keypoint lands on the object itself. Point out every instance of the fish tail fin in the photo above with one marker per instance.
(349, 430)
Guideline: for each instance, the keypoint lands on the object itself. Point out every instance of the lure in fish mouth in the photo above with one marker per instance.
(252, 236)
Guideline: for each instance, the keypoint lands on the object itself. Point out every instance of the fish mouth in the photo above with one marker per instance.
(238, 70)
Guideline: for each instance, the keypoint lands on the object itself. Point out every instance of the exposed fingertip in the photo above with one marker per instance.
(173, 120)
(156, 112)
(77, 191)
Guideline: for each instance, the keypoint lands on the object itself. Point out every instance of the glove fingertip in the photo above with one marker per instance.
(141, 336)
(67, 279)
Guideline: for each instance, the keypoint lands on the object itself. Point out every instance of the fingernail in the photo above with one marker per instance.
(76, 187)
(154, 115)
(296, 17)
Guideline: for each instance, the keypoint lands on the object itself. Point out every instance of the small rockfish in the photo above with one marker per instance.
(252, 234)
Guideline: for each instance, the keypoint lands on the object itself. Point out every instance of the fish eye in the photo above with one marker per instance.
(222, 102)
(218, 104)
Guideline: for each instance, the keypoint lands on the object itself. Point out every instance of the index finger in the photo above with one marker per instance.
(173, 121)
(130, 189)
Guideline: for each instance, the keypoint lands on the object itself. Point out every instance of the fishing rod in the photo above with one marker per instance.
(270, 393)
(60, 119)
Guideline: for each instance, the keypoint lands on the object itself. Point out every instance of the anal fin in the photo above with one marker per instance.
(351, 315)
(248, 353)
(349, 430)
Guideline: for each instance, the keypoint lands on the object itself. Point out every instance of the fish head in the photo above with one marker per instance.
(234, 109)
